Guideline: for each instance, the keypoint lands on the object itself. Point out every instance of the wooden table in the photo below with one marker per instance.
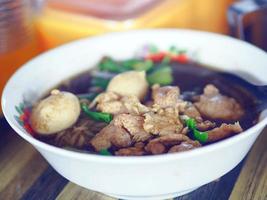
(24, 174)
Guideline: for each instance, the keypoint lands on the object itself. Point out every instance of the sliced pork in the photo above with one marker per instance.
(213, 105)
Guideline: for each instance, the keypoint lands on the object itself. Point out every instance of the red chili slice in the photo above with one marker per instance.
(23, 117)
(182, 58)
(28, 128)
(157, 57)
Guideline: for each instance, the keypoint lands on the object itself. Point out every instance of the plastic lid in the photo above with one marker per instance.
(107, 9)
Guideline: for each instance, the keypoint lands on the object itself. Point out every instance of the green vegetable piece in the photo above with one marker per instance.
(143, 65)
(19, 109)
(100, 82)
(104, 152)
(162, 76)
(97, 116)
(200, 136)
(128, 64)
(19, 120)
(110, 65)
(191, 123)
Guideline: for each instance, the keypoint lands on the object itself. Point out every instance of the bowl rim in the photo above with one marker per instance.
(129, 159)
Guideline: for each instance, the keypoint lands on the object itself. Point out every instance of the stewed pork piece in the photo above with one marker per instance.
(134, 124)
(167, 96)
(109, 136)
(213, 105)
(111, 102)
(184, 146)
(164, 143)
(163, 122)
(136, 150)
(224, 131)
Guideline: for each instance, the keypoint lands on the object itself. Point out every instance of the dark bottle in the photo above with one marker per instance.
(248, 21)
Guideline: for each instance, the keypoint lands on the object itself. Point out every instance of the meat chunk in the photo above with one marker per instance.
(131, 151)
(109, 136)
(166, 96)
(110, 102)
(205, 125)
(105, 97)
(139, 144)
(185, 130)
(134, 125)
(225, 130)
(163, 122)
(123, 130)
(191, 111)
(133, 105)
(214, 105)
(114, 107)
(163, 143)
(185, 146)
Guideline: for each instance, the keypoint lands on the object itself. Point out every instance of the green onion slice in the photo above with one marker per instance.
(162, 76)
(97, 116)
(104, 152)
(200, 136)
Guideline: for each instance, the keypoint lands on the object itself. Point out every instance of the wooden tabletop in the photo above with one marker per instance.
(24, 174)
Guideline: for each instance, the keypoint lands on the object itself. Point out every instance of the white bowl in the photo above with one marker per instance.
(148, 177)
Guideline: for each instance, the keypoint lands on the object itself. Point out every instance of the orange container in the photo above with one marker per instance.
(10, 61)
(18, 42)
(63, 21)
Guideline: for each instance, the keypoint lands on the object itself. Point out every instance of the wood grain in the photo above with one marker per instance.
(19, 155)
(252, 182)
(23, 180)
(20, 164)
(75, 192)
(46, 187)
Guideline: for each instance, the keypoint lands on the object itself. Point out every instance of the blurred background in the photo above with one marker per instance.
(29, 27)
